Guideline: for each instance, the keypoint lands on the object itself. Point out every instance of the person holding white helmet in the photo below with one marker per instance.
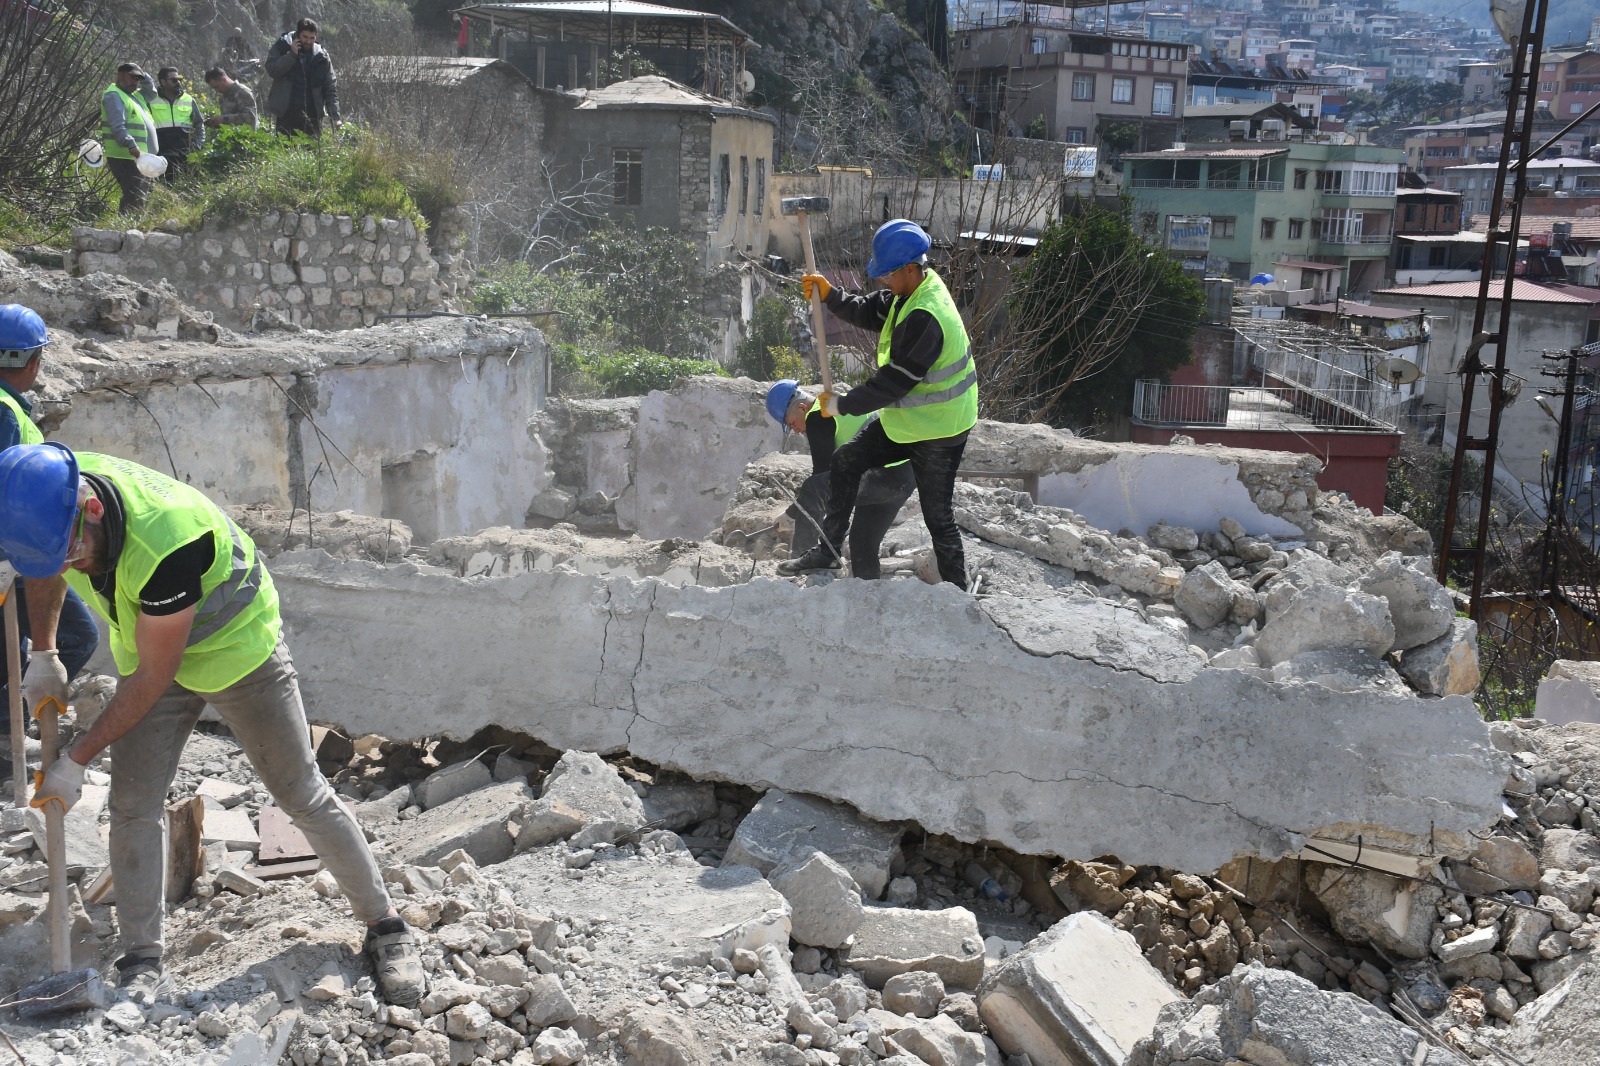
(23, 339)
(882, 494)
(193, 618)
(925, 392)
(127, 131)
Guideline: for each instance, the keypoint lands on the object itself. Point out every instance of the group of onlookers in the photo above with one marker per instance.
(139, 115)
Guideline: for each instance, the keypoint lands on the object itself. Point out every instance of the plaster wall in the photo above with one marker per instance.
(1007, 713)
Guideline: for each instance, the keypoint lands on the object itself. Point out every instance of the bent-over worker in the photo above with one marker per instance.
(882, 494)
(925, 392)
(194, 620)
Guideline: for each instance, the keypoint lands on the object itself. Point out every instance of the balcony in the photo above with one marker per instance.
(1357, 238)
(1235, 183)
(1271, 410)
(1164, 183)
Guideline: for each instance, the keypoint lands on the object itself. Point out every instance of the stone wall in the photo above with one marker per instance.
(318, 271)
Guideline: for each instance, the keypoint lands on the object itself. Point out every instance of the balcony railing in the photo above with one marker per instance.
(1356, 238)
(1165, 183)
(1275, 409)
(1235, 183)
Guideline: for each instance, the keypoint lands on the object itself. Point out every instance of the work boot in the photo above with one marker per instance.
(817, 558)
(396, 962)
(142, 980)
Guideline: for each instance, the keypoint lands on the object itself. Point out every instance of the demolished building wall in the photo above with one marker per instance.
(994, 721)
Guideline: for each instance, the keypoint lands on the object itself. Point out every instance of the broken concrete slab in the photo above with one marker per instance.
(226, 793)
(235, 828)
(1341, 669)
(1446, 666)
(683, 677)
(1327, 617)
(581, 781)
(1562, 1026)
(935, 1041)
(1260, 1015)
(1574, 850)
(1569, 692)
(476, 823)
(893, 941)
(1095, 631)
(784, 826)
(1372, 908)
(1207, 595)
(452, 782)
(824, 900)
(1080, 995)
(1420, 608)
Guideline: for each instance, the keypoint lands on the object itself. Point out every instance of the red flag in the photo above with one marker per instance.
(461, 40)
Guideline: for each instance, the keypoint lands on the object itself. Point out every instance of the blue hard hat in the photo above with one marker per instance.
(897, 242)
(780, 396)
(38, 499)
(22, 334)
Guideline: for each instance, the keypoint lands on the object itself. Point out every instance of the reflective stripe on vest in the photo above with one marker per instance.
(929, 412)
(170, 114)
(141, 127)
(236, 624)
(26, 430)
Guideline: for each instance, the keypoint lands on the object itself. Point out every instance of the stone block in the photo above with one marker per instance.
(824, 900)
(347, 227)
(937, 1041)
(164, 243)
(391, 275)
(1479, 941)
(1173, 538)
(676, 805)
(475, 823)
(1446, 666)
(281, 274)
(918, 994)
(1524, 929)
(294, 296)
(1080, 993)
(234, 828)
(1569, 849)
(547, 1002)
(1327, 617)
(322, 296)
(1373, 908)
(893, 941)
(211, 248)
(419, 273)
(313, 275)
(584, 782)
(1419, 606)
(1575, 890)
(97, 262)
(1206, 595)
(342, 275)
(1507, 860)
(450, 783)
(225, 296)
(350, 298)
(377, 298)
(545, 822)
(782, 824)
(1260, 1015)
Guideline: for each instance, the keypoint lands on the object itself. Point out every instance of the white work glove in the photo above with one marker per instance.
(63, 785)
(45, 679)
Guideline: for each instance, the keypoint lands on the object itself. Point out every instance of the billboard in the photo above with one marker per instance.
(1081, 162)
(1189, 234)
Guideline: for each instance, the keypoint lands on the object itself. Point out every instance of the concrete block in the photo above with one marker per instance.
(547, 1002)
(1206, 595)
(918, 994)
(1570, 692)
(1326, 617)
(1419, 606)
(783, 825)
(475, 823)
(936, 1041)
(236, 880)
(1373, 908)
(679, 805)
(824, 900)
(1447, 665)
(1261, 1015)
(987, 740)
(894, 941)
(1081, 994)
(1562, 1026)
(450, 783)
(234, 828)
(1569, 849)
(510, 768)
(226, 793)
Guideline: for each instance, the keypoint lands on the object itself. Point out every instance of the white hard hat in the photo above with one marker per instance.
(92, 154)
(151, 165)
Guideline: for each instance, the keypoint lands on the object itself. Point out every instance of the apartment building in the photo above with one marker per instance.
(1482, 84)
(1009, 76)
(1569, 82)
(1310, 209)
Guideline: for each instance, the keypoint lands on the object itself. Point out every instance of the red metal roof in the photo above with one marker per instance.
(1522, 291)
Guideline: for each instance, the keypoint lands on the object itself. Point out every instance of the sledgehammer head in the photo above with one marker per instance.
(59, 993)
(811, 205)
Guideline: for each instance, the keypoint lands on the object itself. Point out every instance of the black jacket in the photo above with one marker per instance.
(289, 71)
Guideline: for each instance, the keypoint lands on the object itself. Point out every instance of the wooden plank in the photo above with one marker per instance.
(280, 870)
(185, 857)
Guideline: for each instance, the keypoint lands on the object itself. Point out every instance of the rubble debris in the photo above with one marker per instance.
(786, 826)
(476, 823)
(1262, 1015)
(342, 534)
(893, 940)
(1082, 993)
(1569, 692)
(824, 900)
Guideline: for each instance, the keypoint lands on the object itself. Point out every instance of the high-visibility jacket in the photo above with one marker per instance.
(29, 432)
(945, 402)
(141, 127)
(237, 624)
(845, 427)
(173, 118)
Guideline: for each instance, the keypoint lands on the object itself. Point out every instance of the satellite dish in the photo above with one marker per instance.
(1397, 371)
(747, 81)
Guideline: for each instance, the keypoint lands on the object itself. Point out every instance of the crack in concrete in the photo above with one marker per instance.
(1004, 628)
(1076, 774)
(638, 664)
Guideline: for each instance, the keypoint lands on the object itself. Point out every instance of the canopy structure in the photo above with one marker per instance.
(620, 25)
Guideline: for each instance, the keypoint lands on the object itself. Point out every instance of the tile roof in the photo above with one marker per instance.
(1584, 227)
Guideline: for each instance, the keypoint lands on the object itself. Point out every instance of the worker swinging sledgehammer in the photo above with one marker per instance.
(194, 619)
(925, 391)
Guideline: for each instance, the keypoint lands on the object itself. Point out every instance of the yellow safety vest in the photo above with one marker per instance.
(141, 127)
(945, 402)
(237, 624)
(845, 427)
(30, 432)
(172, 114)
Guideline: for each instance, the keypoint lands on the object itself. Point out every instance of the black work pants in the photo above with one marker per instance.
(296, 120)
(933, 464)
(878, 502)
(134, 185)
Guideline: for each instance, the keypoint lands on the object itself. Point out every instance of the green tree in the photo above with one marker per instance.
(768, 353)
(1092, 311)
(655, 286)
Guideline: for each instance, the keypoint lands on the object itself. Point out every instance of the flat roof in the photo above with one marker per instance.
(1347, 307)
(638, 23)
(442, 71)
(1210, 153)
(653, 92)
(1522, 291)
(1569, 162)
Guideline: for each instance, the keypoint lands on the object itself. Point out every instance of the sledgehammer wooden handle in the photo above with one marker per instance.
(19, 761)
(55, 839)
(817, 324)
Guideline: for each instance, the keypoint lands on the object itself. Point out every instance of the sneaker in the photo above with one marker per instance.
(143, 981)
(396, 962)
(818, 558)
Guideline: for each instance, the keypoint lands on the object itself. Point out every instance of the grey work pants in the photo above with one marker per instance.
(268, 720)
